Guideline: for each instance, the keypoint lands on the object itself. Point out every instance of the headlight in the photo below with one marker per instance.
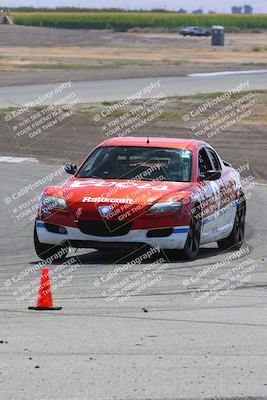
(51, 202)
(167, 207)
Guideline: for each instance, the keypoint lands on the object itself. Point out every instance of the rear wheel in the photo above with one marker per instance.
(191, 248)
(45, 251)
(235, 239)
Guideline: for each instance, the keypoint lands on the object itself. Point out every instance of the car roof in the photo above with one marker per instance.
(189, 144)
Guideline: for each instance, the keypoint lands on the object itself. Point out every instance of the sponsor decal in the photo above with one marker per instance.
(105, 211)
(88, 199)
(122, 185)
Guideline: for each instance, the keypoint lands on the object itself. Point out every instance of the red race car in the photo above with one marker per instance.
(172, 193)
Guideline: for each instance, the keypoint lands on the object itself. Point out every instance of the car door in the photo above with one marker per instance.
(210, 203)
(226, 215)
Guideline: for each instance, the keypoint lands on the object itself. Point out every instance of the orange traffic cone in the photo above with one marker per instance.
(45, 298)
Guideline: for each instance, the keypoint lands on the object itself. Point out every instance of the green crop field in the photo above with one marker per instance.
(127, 20)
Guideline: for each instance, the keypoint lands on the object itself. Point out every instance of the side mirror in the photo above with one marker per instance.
(70, 168)
(210, 175)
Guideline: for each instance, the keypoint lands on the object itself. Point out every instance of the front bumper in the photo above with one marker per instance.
(76, 238)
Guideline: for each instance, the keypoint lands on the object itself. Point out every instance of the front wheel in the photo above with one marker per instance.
(235, 240)
(45, 251)
(191, 248)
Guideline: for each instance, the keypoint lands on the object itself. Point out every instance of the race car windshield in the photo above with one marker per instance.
(138, 163)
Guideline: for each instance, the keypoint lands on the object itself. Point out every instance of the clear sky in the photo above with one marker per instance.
(219, 6)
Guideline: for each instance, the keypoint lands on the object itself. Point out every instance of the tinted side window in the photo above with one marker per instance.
(215, 160)
(204, 163)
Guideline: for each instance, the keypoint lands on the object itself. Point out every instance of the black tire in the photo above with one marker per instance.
(191, 248)
(45, 251)
(235, 240)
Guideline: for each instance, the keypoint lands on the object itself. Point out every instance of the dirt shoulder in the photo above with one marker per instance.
(31, 55)
(241, 142)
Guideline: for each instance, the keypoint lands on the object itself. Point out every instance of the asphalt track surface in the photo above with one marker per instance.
(117, 89)
(94, 349)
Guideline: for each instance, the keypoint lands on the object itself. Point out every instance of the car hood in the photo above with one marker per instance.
(89, 199)
(84, 190)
